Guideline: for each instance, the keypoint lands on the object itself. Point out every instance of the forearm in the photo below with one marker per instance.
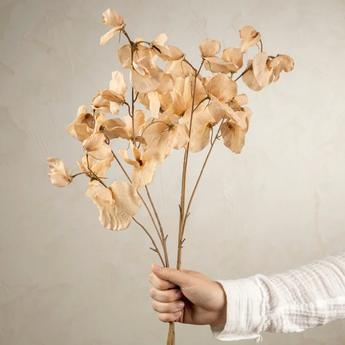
(291, 301)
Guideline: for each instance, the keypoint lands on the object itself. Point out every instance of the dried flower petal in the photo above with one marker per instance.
(83, 125)
(96, 146)
(117, 204)
(222, 87)
(59, 175)
(202, 124)
(250, 37)
(113, 18)
(262, 72)
(145, 76)
(209, 48)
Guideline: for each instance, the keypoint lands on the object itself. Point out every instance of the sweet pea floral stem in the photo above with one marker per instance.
(184, 175)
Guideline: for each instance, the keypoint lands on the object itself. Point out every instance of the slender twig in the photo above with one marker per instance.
(85, 173)
(153, 241)
(136, 97)
(198, 180)
(201, 102)
(94, 175)
(185, 60)
(160, 227)
(245, 71)
(262, 46)
(129, 109)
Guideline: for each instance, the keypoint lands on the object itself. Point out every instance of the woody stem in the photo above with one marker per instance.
(152, 240)
(198, 180)
(184, 175)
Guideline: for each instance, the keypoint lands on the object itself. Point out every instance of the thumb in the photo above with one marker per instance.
(173, 275)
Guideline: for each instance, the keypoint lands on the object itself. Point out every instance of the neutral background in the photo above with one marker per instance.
(278, 205)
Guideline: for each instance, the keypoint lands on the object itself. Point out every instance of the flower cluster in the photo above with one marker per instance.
(186, 111)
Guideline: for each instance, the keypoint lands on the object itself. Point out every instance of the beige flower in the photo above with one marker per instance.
(100, 103)
(116, 128)
(59, 175)
(140, 50)
(111, 100)
(100, 168)
(202, 125)
(97, 147)
(151, 100)
(250, 37)
(221, 90)
(145, 165)
(83, 125)
(112, 18)
(281, 63)
(117, 204)
(231, 60)
(165, 134)
(179, 99)
(233, 135)
(145, 76)
(117, 92)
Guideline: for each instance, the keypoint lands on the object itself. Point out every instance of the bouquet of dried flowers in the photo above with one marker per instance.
(187, 111)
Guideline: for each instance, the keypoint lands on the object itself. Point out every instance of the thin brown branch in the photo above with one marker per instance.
(160, 228)
(185, 60)
(201, 102)
(245, 71)
(94, 175)
(184, 173)
(199, 177)
(152, 240)
(129, 108)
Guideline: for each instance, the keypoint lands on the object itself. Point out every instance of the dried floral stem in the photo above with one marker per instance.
(184, 174)
(129, 109)
(198, 180)
(262, 46)
(245, 71)
(164, 244)
(152, 240)
(73, 176)
(171, 334)
(185, 60)
(94, 175)
(201, 102)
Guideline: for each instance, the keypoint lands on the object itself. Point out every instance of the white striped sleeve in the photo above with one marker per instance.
(292, 301)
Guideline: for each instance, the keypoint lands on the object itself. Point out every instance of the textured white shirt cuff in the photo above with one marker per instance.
(245, 310)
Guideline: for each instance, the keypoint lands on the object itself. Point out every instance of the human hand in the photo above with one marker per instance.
(203, 300)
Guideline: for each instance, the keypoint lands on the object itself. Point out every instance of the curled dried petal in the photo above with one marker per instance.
(59, 175)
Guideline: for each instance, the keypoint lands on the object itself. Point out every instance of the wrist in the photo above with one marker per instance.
(220, 315)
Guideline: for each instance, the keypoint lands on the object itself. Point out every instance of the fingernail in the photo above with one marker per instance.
(179, 304)
(177, 313)
(158, 268)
